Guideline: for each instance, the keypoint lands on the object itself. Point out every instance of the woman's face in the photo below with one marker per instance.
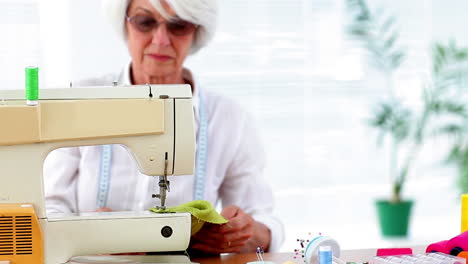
(158, 53)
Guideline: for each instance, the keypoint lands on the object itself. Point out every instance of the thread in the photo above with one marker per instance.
(311, 251)
(325, 255)
(32, 85)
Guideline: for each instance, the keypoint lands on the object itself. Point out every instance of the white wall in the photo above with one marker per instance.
(55, 67)
(19, 41)
(96, 49)
(77, 42)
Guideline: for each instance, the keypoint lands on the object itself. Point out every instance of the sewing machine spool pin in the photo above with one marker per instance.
(150, 92)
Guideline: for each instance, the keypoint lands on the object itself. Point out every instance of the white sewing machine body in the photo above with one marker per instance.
(154, 123)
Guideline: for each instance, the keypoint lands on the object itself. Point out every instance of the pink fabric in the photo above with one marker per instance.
(393, 251)
(440, 246)
(460, 241)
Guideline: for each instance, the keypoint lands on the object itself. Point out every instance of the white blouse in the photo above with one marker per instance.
(234, 169)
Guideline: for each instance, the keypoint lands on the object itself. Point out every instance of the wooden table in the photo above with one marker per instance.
(278, 258)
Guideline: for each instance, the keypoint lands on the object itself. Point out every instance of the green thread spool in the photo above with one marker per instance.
(32, 85)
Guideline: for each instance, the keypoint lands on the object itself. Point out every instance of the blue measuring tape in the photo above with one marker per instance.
(200, 163)
(104, 175)
(202, 149)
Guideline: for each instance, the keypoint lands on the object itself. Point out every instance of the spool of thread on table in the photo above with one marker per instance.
(312, 249)
(32, 85)
(325, 255)
(464, 213)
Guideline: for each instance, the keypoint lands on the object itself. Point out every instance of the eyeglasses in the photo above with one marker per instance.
(177, 27)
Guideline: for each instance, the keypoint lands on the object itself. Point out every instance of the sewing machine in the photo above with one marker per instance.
(154, 122)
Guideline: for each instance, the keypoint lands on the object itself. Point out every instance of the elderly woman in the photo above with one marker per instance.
(160, 35)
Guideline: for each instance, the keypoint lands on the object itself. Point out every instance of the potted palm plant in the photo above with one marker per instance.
(404, 126)
(448, 103)
(380, 37)
(444, 113)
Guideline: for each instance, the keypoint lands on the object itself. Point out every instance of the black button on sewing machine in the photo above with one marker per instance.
(166, 231)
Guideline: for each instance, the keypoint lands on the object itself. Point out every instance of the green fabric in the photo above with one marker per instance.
(202, 212)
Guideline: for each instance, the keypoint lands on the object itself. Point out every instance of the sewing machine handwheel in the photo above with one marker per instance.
(166, 231)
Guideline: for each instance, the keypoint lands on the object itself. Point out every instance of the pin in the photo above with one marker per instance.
(260, 253)
(299, 253)
(301, 242)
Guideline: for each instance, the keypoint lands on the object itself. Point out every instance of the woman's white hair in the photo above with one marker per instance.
(200, 12)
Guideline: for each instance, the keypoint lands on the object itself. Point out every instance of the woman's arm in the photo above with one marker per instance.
(246, 187)
(60, 176)
(246, 197)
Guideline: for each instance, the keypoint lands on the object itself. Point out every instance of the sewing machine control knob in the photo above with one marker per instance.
(166, 231)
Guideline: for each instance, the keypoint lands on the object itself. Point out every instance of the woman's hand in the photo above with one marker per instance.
(241, 234)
